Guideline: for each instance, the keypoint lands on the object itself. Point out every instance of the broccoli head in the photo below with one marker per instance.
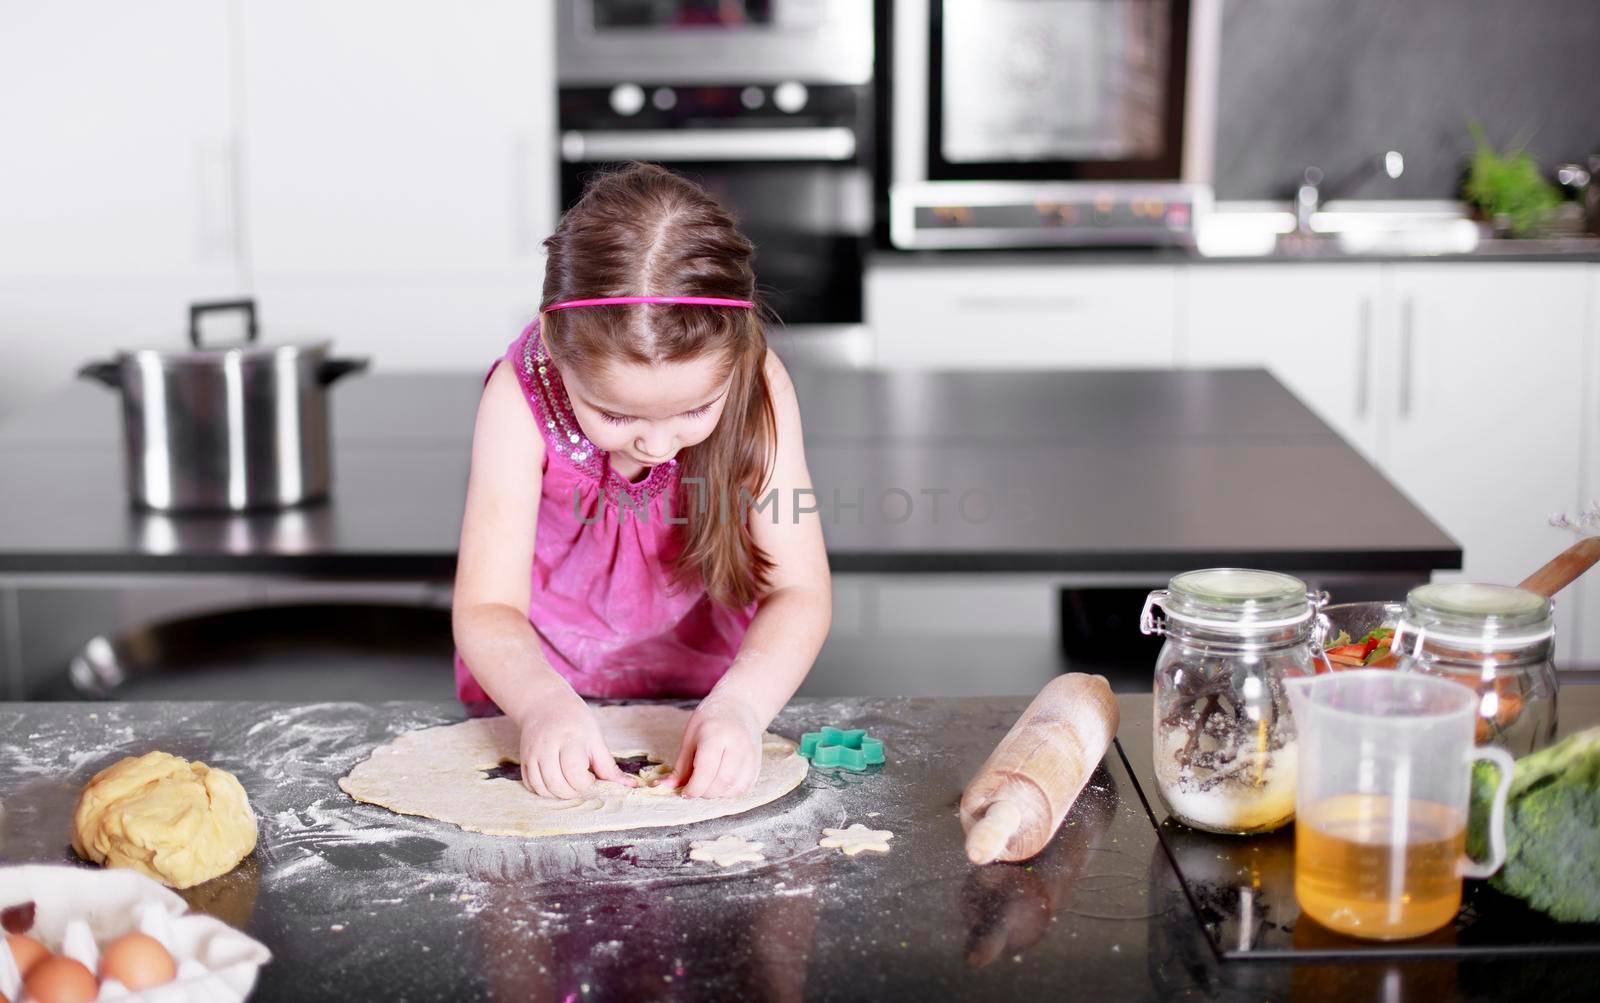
(1552, 828)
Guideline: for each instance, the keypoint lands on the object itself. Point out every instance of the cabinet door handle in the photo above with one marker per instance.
(523, 241)
(819, 143)
(216, 202)
(1364, 360)
(1407, 353)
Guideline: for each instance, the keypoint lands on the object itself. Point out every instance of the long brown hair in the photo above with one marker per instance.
(644, 231)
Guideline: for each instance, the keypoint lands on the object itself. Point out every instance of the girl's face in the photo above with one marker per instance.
(648, 413)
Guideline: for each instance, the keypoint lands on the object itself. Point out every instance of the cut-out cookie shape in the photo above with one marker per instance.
(650, 770)
(647, 768)
(850, 750)
(856, 839)
(725, 851)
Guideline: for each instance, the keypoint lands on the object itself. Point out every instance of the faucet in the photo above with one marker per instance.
(1309, 196)
(1307, 199)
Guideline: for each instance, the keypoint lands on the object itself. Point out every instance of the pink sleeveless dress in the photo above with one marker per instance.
(604, 606)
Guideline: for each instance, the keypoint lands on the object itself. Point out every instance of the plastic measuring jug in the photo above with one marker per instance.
(1381, 800)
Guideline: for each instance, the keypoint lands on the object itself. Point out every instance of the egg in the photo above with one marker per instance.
(27, 951)
(60, 980)
(138, 961)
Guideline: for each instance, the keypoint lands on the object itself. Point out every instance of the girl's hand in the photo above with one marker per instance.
(563, 751)
(721, 752)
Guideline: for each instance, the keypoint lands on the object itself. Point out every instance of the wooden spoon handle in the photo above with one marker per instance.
(1565, 569)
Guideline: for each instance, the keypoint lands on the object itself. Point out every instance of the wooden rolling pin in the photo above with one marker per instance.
(1565, 568)
(1027, 785)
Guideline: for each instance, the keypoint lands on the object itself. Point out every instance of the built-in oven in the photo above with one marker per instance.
(1039, 122)
(766, 103)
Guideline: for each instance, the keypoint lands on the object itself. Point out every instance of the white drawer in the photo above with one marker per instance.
(1027, 316)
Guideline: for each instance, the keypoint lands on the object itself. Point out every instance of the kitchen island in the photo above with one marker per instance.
(1057, 480)
(359, 903)
(1071, 473)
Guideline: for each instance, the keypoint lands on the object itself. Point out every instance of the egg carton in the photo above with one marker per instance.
(77, 909)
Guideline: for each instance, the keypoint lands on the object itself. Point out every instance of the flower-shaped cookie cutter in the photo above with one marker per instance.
(850, 750)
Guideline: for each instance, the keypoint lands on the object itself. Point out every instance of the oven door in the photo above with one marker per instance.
(1055, 90)
(715, 41)
(809, 222)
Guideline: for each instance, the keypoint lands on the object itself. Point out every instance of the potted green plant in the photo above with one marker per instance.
(1508, 188)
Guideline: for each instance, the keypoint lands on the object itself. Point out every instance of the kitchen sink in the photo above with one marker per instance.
(1398, 228)
(1419, 228)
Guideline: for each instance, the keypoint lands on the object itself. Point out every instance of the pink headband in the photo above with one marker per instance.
(678, 300)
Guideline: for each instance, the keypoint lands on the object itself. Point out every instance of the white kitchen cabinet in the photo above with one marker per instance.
(119, 140)
(117, 180)
(1021, 314)
(1463, 381)
(1587, 599)
(1486, 410)
(401, 139)
(381, 174)
(401, 174)
(1314, 326)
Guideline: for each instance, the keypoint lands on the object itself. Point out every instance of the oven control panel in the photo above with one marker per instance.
(646, 104)
(962, 214)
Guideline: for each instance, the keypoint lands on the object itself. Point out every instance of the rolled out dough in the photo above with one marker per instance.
(437, 773)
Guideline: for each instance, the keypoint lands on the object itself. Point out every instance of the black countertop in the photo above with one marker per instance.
(1289, 251)
(1065, 472)
(358, 903)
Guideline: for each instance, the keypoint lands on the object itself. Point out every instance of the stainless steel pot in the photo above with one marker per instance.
(225, 428)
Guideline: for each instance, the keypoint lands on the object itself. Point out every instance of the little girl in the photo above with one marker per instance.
(611, 455)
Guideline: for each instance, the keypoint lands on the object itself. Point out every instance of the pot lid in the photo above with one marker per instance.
(250, 347)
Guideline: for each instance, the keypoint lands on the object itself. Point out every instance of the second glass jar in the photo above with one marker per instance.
(1495, 639)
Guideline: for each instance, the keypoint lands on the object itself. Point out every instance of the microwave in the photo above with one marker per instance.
(1020, 123)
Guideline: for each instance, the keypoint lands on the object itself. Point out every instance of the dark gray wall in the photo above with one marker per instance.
(1335, 82)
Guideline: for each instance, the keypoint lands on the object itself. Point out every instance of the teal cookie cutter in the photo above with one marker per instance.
(850, 750)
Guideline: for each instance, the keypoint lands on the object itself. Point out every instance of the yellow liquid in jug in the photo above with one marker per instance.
(1353, 875)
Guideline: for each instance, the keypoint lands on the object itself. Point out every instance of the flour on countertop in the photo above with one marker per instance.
(317, 836)
(378, 874)
(338, 885)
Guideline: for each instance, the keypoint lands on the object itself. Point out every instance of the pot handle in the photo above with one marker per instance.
(332, 369)
(198, 310)
(109, 373)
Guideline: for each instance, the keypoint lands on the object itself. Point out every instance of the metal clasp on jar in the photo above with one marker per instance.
(1148, 623)
(1321, 626)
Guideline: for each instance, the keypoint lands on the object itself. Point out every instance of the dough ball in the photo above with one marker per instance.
(176, 821)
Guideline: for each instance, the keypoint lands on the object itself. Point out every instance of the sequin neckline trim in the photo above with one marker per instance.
(553, 410)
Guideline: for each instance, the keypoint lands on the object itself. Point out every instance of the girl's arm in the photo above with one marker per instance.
(721, 749)
(561, 746)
